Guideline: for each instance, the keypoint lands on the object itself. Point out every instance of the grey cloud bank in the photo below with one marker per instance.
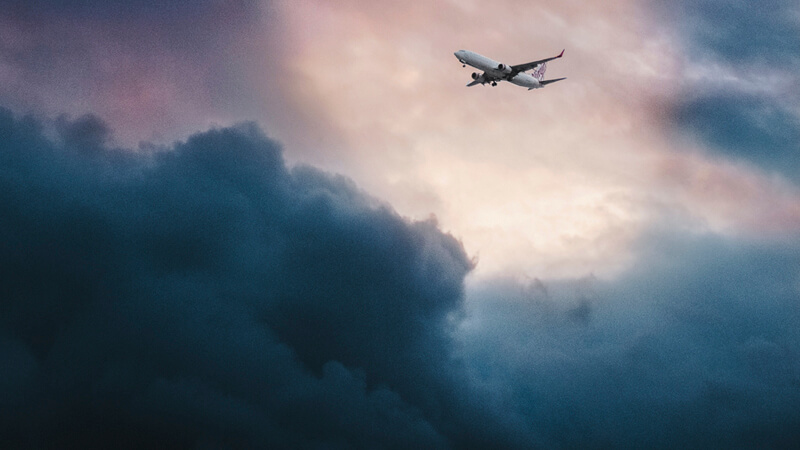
(205, 295)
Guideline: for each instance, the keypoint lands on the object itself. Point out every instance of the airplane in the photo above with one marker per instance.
(494, 71)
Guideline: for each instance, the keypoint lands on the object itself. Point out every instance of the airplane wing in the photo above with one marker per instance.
(474, 83)
(528, 66)
(546, 82)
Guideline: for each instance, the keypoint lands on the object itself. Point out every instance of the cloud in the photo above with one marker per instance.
(205, 294)
(696, 346)
(159, 70)
(509, 171)
(740, 93)
(741, 32)
(559, 182)
(749, 127)
(187, 25)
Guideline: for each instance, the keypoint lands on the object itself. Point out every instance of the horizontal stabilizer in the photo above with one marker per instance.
(546, 82)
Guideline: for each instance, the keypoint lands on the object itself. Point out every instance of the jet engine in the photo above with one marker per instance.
(503, 68)
(475, 75)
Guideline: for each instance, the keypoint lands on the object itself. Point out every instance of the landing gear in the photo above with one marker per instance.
(494, 83)
(463, 65)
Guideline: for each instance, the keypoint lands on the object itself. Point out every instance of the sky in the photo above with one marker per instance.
(255, 223)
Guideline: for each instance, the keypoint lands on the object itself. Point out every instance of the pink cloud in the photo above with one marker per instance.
(555, 182)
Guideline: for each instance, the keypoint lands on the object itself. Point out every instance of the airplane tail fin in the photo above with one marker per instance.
(539, 72)
(546, 82)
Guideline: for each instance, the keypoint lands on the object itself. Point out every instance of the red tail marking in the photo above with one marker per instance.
(539, 72)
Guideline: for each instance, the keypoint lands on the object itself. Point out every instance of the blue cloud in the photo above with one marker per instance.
(743, 32)
(207, 295)
(751, 38)
(748, 127)
(696, 347)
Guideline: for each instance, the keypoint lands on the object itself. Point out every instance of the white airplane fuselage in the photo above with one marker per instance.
(497, 71)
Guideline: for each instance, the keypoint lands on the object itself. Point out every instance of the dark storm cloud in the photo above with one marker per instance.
(756, 41)
(205, 295)
(697, 347)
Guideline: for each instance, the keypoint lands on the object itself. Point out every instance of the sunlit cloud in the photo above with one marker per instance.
(556, 182)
